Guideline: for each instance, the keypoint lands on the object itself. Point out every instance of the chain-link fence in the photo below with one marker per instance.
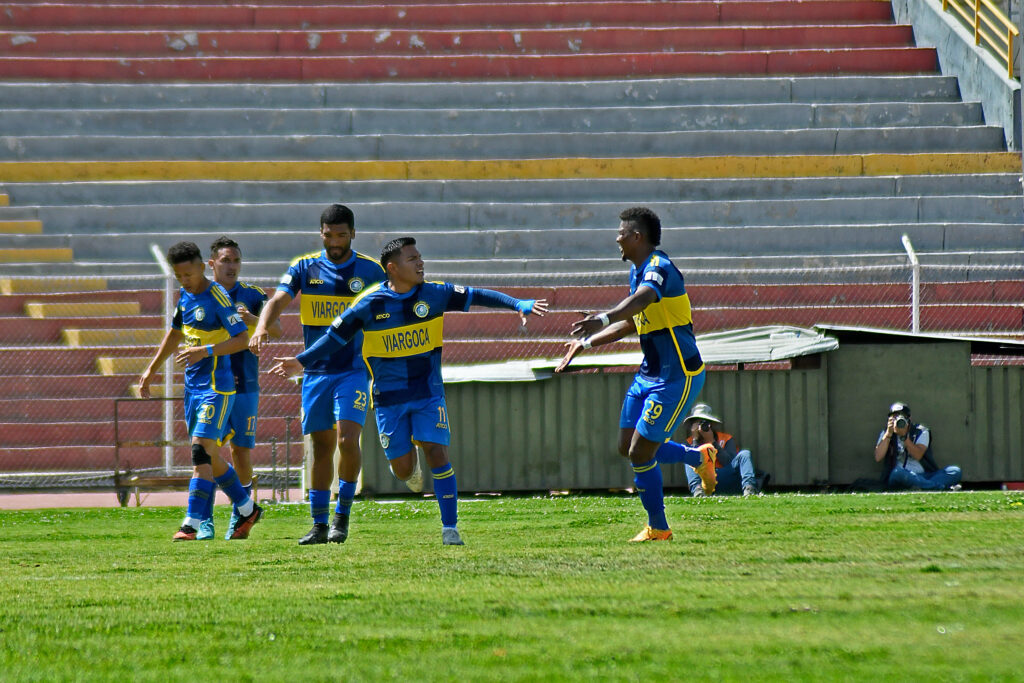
(72, 349)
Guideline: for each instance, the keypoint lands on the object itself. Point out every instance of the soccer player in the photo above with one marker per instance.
(206, 320)
(335, 390)
(401, 322)
(672, 373)
(226, 263)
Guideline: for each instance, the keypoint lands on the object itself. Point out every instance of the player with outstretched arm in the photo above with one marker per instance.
(671, 376)
(401, 322)
(206, 320)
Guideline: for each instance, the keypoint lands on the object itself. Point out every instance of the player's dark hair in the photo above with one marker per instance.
(223, 242)
(184, 252)
(338, 214)
(644, 220)
(390, 251)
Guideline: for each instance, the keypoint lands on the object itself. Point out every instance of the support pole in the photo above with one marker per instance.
(169, 363)
(915, 287)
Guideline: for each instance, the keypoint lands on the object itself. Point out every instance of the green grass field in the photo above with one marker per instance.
(865, 587)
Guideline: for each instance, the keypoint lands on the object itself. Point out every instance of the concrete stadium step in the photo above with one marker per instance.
(821, 141)
(828, 165)
(11, 286)
(94, 408)
(41, 255)
(91, 433)
(75, 457)
(26, 389)
(978, 318)
(426, 15)
(78, 290)
(477, 94)
(21, 227)
(82, 223)
(606, 189)
(880, 60)
(23, 330)
(262, 122)
(80, 309)
(419, 41)
(479, 251)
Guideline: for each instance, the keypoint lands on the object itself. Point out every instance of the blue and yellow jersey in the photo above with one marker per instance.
(665, 327)
(328, 289)
(208, 318)
(244, 365)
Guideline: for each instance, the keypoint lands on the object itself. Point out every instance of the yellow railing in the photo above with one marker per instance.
(990, 25)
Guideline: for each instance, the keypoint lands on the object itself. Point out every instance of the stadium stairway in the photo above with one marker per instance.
(125, 125)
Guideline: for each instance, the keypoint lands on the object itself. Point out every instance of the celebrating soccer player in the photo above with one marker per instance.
(672, 373)
(206, 320)
(226, 263)
(401, 322)
(335, 390)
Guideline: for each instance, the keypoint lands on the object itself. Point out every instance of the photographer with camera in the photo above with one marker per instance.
(907, 450)
(735, 470)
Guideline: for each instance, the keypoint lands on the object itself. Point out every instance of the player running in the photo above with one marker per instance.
(206, 320)
(401, 322)
(226, 263)
(335, 390)
(672, 373)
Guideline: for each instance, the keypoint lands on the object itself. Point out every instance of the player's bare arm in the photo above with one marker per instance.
(269, 317)
(168, 344)
(617, 324)
(194, 354)
(286, 367)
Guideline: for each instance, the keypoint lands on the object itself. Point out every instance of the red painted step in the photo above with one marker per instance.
(21, 434)
(978, 318)
(406, 41)
(150, 301)
(90, 458)
(380, 67)
(24, 388)
(520, 14)
(77, 408)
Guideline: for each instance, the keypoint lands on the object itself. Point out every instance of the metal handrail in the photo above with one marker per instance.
(988, 28)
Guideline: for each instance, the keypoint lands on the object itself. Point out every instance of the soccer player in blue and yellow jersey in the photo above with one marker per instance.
(206, 320)
(401, 323)
(335, 390)
(672, 373)
(226, 263)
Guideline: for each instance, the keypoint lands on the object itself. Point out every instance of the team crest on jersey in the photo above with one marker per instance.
(421, 309)
(356, 285)
(200, 314)
(384, 440)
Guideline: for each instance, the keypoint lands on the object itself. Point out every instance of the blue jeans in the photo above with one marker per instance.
(939, 480)
(732, 478)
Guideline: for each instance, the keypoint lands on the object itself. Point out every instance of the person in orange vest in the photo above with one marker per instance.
(735, 469)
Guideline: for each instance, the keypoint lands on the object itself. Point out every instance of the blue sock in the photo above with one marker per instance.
(447, 493)
(209, 504)
(346, 492)
(673, 452)
(200, 493)
(248, 490)
(647, 478)
(319, 505)
(230, 485)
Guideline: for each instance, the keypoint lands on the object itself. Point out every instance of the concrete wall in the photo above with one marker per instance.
(982, 77)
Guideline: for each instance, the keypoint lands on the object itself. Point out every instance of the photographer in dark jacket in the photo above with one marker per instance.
(907, 450)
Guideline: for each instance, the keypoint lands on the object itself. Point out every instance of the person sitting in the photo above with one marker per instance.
(735, 469)
(906, 448)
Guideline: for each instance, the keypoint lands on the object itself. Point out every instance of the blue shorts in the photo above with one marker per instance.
(207, 413)
(657, 408)
(329, 398)
(242, 421)
(399, 425)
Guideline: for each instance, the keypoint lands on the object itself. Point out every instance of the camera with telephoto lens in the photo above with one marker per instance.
(901, 422)
(704, 426)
